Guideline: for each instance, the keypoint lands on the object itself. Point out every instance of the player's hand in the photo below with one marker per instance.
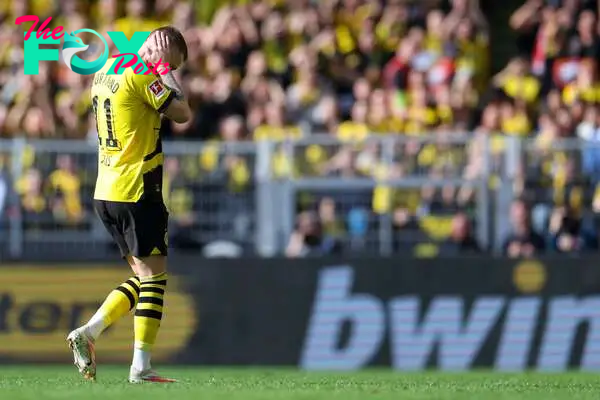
(157, 48)
(160, 42)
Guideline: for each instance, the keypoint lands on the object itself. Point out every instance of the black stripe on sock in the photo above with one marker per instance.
(129, 296)
(149, 314)
(135, 286)
(162, 282)
(153, 300)
(152, 290)
(132, 283)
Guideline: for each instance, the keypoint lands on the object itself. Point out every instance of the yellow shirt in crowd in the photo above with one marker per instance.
(572, 93)
(350, 131)
(525, 88)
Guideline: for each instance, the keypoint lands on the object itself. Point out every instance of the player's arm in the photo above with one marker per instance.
(156, 94)
(178, 110)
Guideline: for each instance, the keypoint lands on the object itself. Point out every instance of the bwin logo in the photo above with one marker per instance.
(520, 332)
(74, 45)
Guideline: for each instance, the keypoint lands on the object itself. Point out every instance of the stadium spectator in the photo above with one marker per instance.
(283, 70)
(517, 82)
(358, 225)
(568, 233)
(309, 239)
(34, 204)
(255, 54)
(461, 240)
(537, 26)
(64, 187)
(522, 241)
(566, 187)
(179, 199)
(589, 131)
(557, 69)
(137, 18)
(332, 226)
(465, 10)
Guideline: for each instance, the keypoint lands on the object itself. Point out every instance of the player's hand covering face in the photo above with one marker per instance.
(158, 48)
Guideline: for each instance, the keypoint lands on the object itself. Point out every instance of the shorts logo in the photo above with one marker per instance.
(157, 88)
(167, 239)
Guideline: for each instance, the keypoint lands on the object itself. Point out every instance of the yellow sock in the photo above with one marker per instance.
(118, 303)
(149, 310)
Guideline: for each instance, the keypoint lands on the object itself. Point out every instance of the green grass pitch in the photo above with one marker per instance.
(62, 382)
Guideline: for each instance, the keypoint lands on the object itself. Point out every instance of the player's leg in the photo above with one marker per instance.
(148, 315)
(82, 340)
(118, 303)
(148, 242)
(149, 311)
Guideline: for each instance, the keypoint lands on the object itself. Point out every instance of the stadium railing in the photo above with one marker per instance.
(247, 196)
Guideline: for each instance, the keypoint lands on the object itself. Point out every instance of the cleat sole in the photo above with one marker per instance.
(152, 379)
(85, 371)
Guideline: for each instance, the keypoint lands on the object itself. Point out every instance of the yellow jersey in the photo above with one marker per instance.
(130, 158)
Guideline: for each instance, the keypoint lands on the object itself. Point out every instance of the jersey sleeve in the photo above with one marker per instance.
(152, 91)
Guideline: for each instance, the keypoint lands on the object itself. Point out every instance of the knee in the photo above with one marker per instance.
(148, 266)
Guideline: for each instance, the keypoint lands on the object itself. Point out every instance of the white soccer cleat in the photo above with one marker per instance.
(84, 354)
(137, 376)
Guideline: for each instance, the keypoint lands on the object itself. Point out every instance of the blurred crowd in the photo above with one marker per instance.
(553, 87)
(344, 67)
(340, 71)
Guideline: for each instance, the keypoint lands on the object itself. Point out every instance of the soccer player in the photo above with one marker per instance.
(128, 197)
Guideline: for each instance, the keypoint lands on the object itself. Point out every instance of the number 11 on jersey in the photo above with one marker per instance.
(106, 134)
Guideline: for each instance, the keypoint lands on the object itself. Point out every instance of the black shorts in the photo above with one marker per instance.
(140, 229)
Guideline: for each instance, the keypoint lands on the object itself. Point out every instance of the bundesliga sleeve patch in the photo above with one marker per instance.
(157, 88)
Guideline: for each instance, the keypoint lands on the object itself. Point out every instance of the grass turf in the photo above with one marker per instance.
(20, 383)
